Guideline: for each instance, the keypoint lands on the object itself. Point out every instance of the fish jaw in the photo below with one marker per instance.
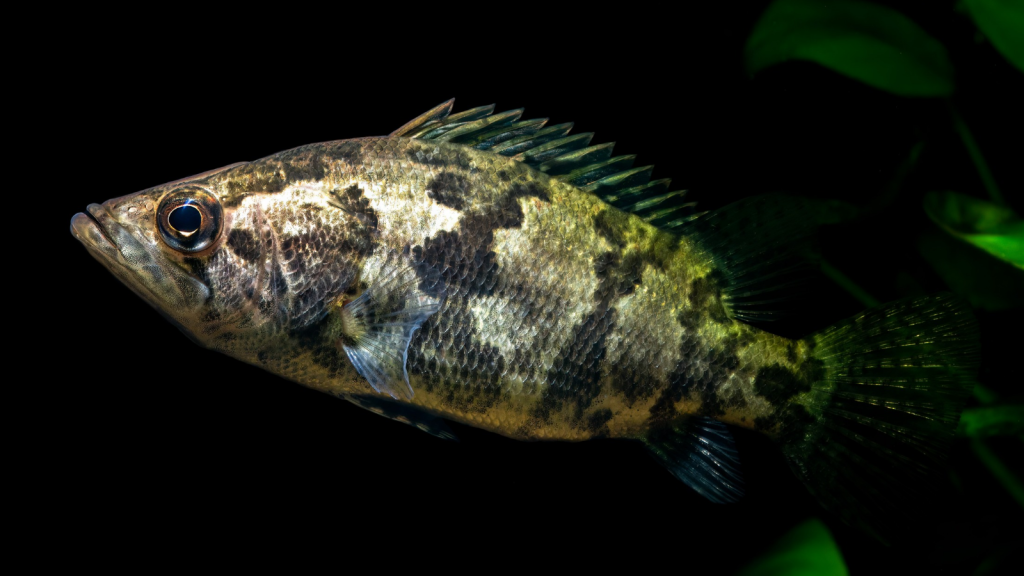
(114, 233)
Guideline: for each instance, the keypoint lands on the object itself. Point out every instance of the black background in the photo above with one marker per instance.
(157, 449)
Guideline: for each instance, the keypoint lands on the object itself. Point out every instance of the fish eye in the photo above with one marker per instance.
(189, 219)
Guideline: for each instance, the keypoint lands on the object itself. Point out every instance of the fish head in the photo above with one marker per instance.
(159, 242)
(248, 273)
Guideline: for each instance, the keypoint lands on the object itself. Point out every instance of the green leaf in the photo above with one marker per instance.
(1004, 420)
(1003, 474)
(868, 42)
(981, 279)
(807, 549)
(1002, 21)
(994, 229)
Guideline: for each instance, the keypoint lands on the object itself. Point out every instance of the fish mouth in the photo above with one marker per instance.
(87, 228)
(161, 283)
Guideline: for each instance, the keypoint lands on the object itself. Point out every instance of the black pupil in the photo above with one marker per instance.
(185, 218)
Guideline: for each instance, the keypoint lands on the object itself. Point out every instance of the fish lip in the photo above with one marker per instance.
(84, 219)
(92, 231)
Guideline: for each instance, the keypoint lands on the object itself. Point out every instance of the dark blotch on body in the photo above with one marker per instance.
(610, 226)
(354, 203)
(613, 225)
(464, 263)
(575, 375)
(777, 384)
(705, 302)
(244, 244)
(348, 152)
(449, 189)
(791, 351)
(786, 424)
(618, 275)
(464, 260)
(463, 371)
(273, 174)
(597, 420)
(700, 372)
(461, 263)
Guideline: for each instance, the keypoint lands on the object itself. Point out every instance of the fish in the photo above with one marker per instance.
(509, 275)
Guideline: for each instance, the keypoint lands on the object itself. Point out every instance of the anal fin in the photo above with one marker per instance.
(701, 453)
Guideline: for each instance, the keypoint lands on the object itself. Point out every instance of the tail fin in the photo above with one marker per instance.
(894, 382)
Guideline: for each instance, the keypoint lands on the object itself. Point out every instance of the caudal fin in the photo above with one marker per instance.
(872, 432)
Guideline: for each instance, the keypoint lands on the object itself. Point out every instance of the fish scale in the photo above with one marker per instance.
(495, 271)
(507, 243)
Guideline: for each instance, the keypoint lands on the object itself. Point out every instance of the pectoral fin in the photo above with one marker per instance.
(375, 329)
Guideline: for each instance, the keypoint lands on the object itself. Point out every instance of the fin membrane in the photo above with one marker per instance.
(553, 151)
(375, 329)
(869, 438)
(765, 251)
(701, 453)
(405, 414)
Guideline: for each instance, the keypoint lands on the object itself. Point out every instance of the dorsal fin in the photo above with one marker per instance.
(552, 150)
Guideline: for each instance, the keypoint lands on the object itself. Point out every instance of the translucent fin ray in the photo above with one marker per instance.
(376, 328)
(702, 453)
(870, 438)
(765, 249)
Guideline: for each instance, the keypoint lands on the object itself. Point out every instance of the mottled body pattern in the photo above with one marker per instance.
(505, 275)
(562, 317)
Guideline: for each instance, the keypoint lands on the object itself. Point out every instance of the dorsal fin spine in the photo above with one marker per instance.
(526, 142)
(621, 180)
(436, 131)
(630, 196)
(491, 138)
(553, 151)
(589, 174)
(645, 208)
(470, 128)
(472, 114)
(567, 163)
(434, 115)
(555, 148)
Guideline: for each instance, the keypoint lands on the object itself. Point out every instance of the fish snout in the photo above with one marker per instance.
(112, 237)
(132, 209)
